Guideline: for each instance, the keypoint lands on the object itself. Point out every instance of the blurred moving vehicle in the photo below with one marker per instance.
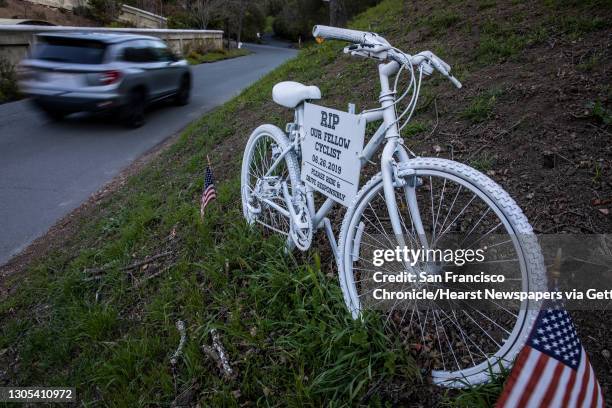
(93, 72)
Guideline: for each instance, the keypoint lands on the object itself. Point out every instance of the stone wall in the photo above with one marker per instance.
(61, 4)
(16, 39)
(141, 18)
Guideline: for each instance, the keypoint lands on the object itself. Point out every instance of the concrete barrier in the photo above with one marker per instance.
(61, 4)
(16, 39)
(141, 18)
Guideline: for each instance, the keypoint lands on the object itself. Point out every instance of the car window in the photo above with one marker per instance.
(69, 50)
(161, 51)
(138, 52)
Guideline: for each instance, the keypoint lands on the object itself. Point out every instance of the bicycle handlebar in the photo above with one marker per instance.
(335, 33)
(366, 38)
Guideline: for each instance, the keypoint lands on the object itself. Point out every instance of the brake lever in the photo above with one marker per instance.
(375, 51)
(426, 67)
(444, 69)
(455, 81)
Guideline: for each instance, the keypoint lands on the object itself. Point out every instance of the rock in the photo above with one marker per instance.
(604, 211)
(605, 353)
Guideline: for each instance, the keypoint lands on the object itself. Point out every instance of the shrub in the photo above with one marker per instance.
(121, 24)
(81, 10)
(198, 48)
(8, 82)
(104, 11)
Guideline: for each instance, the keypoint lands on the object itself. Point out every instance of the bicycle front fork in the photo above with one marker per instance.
(391, 180)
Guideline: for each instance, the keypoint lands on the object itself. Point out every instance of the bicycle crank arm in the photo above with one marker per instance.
(294, 216)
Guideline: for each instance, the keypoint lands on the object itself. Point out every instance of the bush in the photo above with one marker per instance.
(8, 82)
(81, 10)
(195, 48)
(121, 24)
(104, 11)
(180, 21)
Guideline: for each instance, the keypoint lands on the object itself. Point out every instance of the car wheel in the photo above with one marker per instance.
(54, 114)
(182, 95)
(134, 111)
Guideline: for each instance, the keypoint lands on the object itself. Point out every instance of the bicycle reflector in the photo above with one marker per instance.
(319, 40)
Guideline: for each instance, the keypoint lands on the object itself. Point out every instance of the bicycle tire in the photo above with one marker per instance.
(534, 269)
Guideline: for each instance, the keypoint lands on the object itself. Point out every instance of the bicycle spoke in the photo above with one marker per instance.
(457, 340)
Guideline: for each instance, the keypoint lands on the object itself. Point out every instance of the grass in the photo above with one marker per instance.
(442, 19)
(599, 111)
(589, 63)
(577, 26)
(483, 163)
(486, 4)
(499, 42)
(414, 128)
(481, 396)
(481, 107)
(195, 58)
(281, 318)
(597, 173)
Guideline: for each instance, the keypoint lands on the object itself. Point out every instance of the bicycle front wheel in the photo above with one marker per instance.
(459, 207)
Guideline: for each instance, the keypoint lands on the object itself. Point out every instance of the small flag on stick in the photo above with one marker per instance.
(210, 192)
(552, 370)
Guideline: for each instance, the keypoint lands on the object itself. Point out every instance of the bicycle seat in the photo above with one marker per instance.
(291, 94)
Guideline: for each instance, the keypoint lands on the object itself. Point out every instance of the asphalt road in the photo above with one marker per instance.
(48, 169)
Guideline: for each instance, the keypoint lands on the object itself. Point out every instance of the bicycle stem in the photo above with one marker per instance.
(387, 98)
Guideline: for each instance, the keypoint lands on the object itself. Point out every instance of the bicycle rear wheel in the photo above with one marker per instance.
(462, 345)
(261, 189)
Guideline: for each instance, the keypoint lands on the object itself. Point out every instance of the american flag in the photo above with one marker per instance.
(552, 370)
(209, 193)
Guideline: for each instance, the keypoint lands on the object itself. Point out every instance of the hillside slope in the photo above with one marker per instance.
(534, 114)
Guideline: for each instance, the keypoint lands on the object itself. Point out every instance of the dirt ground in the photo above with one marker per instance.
(544, 145)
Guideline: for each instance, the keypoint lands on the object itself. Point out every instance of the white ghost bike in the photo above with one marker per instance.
(412, 202)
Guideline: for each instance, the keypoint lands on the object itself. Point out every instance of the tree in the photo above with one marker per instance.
(294, 18)
(240, 6)
(337, 13)
(244, 18)
(297, 17)
(204, 11)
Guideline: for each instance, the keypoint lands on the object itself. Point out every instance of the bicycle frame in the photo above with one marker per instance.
(387, 132)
